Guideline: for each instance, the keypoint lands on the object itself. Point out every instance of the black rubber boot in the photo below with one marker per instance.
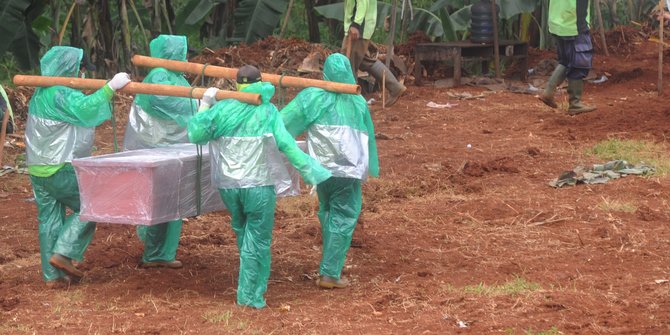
(575, 89)
(557, 77)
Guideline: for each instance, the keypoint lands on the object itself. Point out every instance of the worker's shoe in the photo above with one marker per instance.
(65, 264)
(330, 282)
(62, 282)
(575, 89)
(162, 264)
(395, 88)
(557, 77)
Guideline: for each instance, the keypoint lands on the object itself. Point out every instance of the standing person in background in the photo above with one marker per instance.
(569, 24)
(156, 121)
(245, 141)
(341, 136)
(61, 127)
(360, 20)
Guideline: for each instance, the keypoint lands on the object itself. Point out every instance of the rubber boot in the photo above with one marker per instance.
(575, 89)
(556, 79)
(395, 88)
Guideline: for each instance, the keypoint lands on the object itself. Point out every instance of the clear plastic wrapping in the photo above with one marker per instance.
(150, 186)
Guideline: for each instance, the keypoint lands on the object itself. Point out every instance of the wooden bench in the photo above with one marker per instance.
(464, 50)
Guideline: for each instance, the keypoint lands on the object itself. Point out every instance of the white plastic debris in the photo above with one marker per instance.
(372, 101)
(532, 88)
(436, 105)
(600, 80)
(462, 324)
(661, 281)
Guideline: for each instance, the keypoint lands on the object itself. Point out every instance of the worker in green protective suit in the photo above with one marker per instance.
(341, 136)
(157, 121)
(244, 145)
(61, 127)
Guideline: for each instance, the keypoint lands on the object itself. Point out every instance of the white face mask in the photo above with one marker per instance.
(83, 75)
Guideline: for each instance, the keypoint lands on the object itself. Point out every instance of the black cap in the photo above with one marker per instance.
(86, 64)
(248, 75)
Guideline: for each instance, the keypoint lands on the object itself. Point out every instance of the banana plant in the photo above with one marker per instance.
(16, 30)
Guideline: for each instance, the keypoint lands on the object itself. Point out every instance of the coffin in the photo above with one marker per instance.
(151, 186)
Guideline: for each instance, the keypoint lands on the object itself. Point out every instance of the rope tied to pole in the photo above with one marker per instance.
(282, 91)
(198, 166)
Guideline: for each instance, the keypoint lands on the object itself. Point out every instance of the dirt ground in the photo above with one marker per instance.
(458, 240)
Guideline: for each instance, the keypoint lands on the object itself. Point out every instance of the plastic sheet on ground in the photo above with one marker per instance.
(600, 173)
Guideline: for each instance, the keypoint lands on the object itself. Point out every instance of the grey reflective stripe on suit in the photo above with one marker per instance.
(145, 131)
(50, 142)
(243, 162)
(342, 150)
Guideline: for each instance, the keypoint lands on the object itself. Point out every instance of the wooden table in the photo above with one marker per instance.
(464, 50)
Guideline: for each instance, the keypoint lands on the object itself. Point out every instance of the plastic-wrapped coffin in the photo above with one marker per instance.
(151, 186)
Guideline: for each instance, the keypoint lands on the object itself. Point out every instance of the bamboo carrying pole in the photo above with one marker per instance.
(134, 88)
(229, 73)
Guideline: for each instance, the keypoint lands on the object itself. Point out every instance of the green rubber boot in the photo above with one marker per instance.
(556, 79)
(575, 89)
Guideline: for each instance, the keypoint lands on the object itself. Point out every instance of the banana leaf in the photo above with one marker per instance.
(257, 19)
(191, 16)
(16, 31)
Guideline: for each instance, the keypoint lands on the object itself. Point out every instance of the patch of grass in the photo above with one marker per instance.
(16, 328)
(218, 317)
(515, 286)
(609, 205)
(551, 331)
(634, 152)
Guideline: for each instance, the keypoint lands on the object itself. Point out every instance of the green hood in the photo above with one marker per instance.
(265, 89)
(172, 47)
(337, 68)
(61, 62)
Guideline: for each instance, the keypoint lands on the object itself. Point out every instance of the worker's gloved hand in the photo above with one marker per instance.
(119, 81)
(209, 98)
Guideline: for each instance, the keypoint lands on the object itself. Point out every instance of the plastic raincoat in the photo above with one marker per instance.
(60, 127)
(156, 121)
(340, 135)
(245, 141)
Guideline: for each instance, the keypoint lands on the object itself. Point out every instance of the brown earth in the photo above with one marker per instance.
(454, 236)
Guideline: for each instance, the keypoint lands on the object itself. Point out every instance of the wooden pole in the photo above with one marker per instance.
(286, 18)
(3, 133)
(134, 88)
(391, 42)
(67, 19)
(601, 26)
(496, 52)
(229, 73)
(347, 47)
(384, 90)
(661, 25)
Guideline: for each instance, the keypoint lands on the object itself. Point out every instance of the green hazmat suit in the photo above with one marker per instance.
(156, 121)
(61, 127)
(244, 144)
(340, 135)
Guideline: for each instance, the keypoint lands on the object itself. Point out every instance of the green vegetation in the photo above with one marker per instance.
(515, 286)
(634, 152)
(218, 317)
(608, 205)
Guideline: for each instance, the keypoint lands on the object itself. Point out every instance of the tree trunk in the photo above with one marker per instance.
(107, 38)
(55, 20)
(155, 10)
(125, 37)
(312, 22)
(75, 31)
